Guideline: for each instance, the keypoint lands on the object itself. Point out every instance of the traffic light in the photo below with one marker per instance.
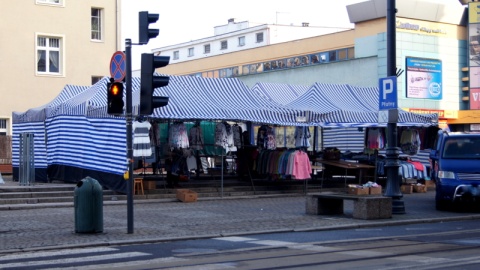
(144, 33)
(114, 97)
(148, 83)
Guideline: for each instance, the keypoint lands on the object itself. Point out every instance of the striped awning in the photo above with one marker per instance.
(216, 99)
(279, 93)
(342, 105)
(39, 114)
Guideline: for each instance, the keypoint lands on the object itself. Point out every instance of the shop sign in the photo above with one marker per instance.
(420, 28)
(441, 113)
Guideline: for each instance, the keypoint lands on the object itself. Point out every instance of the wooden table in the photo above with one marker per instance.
(347, 166)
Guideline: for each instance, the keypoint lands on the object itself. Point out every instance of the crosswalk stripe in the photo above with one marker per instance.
(43, 254)
(235, 239)
(122, 264)
(77, 260)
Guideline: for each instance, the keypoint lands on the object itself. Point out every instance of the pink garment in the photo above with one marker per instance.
(301, 168)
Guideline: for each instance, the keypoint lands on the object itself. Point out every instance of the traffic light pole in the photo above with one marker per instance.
(129, 120)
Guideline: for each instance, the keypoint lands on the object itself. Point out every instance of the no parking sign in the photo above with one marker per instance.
(118, 66)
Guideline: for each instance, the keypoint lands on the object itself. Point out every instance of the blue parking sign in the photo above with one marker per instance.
(388, 97)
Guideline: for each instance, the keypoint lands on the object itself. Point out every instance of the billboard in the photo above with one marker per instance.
(474, 54)
(423, 78)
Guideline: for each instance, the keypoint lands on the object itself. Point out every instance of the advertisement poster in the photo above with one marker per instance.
(424, 78)
(475, 99)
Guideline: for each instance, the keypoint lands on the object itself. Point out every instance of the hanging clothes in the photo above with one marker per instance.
(195, 137)
(301, 168)
(221, 135)
(237, 136)
(229, 130)
(410, 142)
(190, 159)
(178, 136)
(266, 138)
(262, 136)
(302, 137)
(271, 140)
(141, 139)
(284, 163)
(375, 138)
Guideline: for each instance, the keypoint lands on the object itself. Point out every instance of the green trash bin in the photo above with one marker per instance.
(88, 206)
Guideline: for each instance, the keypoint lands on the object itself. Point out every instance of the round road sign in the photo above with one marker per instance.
(118, 66)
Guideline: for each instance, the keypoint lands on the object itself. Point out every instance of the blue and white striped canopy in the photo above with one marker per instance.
(190, 98)
(342, 105)
(215, 99)
(279, 93)
(39, 114)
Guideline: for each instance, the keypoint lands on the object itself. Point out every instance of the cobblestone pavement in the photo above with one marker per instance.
(50, 228)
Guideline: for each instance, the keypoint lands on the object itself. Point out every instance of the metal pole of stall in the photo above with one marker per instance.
(221, 175)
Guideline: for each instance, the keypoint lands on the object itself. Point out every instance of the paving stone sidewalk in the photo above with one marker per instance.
(51, 228)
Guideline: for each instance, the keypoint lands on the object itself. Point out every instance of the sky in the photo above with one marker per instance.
(185, 20)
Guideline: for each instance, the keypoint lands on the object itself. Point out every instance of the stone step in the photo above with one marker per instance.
(205, 192)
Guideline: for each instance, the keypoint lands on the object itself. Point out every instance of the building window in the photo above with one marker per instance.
(206, 48)
(49, 54)
(351, 53)
(96, 24)
(52, 2)
(259, 37)
(332, 56)
(223, 45)
(175, 55)
(342, 54)
(190, 52)
(3, 127)
(96, 79)
(241, 41)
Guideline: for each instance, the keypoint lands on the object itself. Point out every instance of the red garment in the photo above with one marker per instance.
(417, 164)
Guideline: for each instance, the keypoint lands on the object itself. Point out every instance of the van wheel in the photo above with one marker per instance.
(442, 205)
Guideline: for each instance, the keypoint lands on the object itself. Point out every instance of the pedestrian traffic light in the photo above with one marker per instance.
(114, 97)
(144, 33)
(148, 83)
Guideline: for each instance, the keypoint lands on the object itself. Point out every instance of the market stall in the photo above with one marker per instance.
(81, 139)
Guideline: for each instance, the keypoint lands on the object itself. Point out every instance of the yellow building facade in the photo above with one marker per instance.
(48, 44)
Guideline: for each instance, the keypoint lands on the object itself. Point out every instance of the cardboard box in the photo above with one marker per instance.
(419, 188)
(149, 185)
(375, 190)
(406, 189)
(186, 195)
(358, 190)
(430, 184)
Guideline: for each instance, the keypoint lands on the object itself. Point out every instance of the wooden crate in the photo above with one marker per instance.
(358, 190)
(375, 190)
(420, 188)
(406, 189)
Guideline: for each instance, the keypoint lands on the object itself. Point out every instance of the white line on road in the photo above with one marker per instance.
(76, 260)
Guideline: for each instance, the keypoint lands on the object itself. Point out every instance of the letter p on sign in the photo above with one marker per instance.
(387, 93)
(387, 87)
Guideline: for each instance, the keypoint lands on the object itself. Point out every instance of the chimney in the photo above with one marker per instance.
(232, 20)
